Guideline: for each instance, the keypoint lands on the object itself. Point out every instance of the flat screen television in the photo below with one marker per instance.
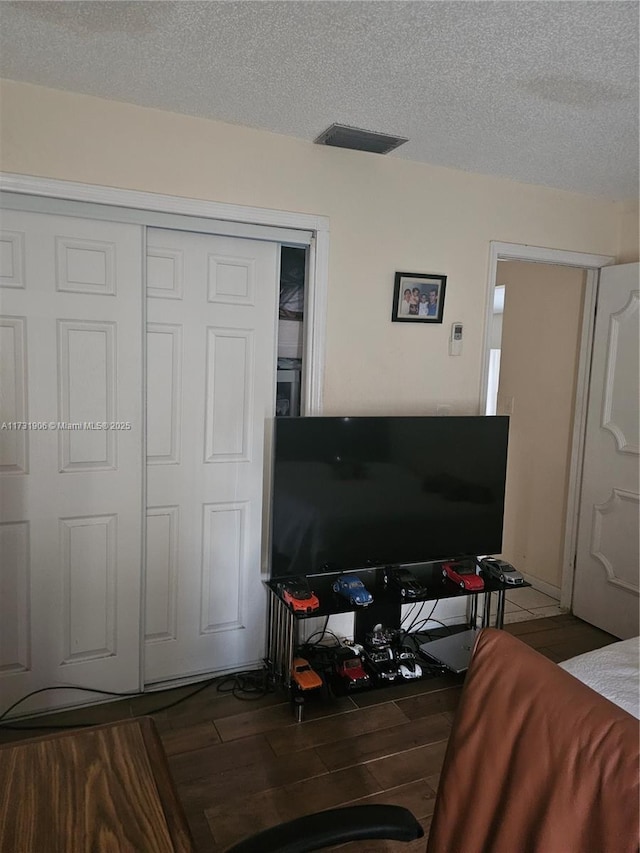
(361, 492)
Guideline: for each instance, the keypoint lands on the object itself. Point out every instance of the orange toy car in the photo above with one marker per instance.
(303, 676)
(297, 593)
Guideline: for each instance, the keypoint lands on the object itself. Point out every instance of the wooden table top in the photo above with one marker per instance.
(104, 789)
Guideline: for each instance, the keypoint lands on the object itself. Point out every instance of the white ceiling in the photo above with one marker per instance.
(543, 92)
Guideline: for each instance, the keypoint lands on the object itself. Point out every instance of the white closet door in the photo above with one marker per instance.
(71, 512)
(212, 309)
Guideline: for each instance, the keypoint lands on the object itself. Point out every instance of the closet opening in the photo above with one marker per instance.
(293, 274)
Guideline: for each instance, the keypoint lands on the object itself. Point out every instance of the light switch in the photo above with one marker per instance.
(455, 339)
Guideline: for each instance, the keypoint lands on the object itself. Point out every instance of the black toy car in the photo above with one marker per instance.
(404, 582)
(379, 638)
(382, 664)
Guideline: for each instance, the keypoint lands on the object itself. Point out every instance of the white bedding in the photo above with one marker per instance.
(613, 672)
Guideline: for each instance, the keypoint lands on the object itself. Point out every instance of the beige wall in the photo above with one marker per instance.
(540, 343)
(386, 214)
(628, 251)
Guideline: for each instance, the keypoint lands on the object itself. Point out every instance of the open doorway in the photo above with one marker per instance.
(535, 347)
(540, 308)
(293, 265)
(495, 351)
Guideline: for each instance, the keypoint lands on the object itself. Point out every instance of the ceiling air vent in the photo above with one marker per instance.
(342, 136)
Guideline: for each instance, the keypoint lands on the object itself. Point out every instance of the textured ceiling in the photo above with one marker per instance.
(543, 92)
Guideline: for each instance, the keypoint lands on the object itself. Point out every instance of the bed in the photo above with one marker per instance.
(613, 672)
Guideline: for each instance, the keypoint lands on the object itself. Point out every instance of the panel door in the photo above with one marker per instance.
(212, 305)
(607, 563)
(70, 480)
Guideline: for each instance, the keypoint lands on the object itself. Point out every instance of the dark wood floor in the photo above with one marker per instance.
(241, 766)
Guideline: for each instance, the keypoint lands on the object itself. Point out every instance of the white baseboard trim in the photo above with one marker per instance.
(542, 586)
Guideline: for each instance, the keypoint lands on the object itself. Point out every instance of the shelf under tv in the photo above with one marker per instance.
(386, 608)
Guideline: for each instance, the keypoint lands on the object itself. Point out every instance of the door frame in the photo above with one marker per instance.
(229, 215)
(592, 264)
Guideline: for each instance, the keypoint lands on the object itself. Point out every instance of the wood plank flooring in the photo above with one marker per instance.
(242, 766)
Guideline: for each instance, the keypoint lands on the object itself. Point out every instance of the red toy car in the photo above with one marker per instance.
(349, 667)
(297, 593)
(464, 574)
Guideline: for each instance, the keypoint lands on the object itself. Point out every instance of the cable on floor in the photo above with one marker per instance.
(243, 685)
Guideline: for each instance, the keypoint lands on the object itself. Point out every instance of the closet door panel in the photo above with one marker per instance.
(14, 444)
(87, 368)
(229, 413)
(71, 472)
(210, 397)
(15, 634)
(162, 575)
(164, 393)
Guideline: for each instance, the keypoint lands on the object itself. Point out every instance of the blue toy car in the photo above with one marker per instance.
(352, 588)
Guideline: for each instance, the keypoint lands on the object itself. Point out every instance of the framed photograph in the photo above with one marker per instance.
(418, 298)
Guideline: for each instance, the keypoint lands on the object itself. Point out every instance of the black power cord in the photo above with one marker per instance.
(248, 685)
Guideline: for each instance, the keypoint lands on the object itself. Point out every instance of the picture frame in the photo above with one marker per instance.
(418, 297)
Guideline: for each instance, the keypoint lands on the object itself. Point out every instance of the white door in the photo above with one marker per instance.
(606, 583)
(212, 310)
(71, 511)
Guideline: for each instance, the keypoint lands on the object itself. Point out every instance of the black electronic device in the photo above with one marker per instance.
(363, 492)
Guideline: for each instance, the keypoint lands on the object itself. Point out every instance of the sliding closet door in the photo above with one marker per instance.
(71, 512)
(212, 305)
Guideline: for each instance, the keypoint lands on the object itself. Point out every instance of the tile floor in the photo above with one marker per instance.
(528, 603)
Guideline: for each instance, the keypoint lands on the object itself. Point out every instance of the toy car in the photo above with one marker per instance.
(355, 648)
(349, 667)
(404, 582)
(464, 574)
(379, 638)
(382, 664)
(352, 588)
(500, 570)
(408, 667)
(303, 676)
(297, 593)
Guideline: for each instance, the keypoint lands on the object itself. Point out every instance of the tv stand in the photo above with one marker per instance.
(385, 610)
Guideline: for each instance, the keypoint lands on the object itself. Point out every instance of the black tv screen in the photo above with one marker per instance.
(361, 492)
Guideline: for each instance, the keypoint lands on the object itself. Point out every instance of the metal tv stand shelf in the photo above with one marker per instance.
(386, 608)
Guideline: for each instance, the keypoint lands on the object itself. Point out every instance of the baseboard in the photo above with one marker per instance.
(542, 586)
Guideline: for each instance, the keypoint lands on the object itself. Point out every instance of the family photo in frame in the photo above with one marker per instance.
(418, 298)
